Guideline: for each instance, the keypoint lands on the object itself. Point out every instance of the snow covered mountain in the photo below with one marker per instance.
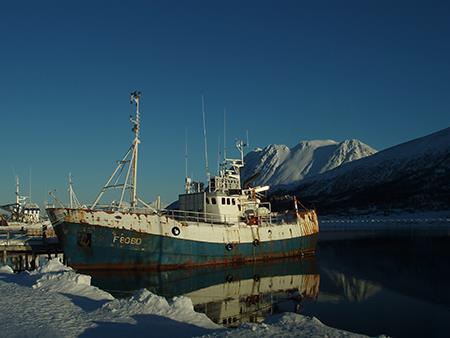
(410, 176)
(279, 164)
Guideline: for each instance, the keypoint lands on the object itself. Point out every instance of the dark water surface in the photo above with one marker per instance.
(399, 287)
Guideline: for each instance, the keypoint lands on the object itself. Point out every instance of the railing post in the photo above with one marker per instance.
(4, 249)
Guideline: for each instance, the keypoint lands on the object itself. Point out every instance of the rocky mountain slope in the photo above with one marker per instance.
(411, 176)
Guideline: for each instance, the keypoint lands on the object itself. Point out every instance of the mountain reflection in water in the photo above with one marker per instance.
(396, 287)
(351, 289)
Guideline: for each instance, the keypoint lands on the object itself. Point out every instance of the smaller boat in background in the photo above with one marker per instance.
(22, 213)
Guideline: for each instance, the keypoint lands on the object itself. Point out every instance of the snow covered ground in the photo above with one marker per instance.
(55, 301)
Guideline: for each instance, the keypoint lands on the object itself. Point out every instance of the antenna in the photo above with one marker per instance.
(70, 191)
(240, 145)
(218, 154)
(17, 190)
(224, 134)
(29, 184)
(186, 153)
(247, 142)
(187, 179)
(206, 141)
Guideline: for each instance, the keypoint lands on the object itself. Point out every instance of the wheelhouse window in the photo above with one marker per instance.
(233, 201)
(207, 200)
(213, 200)
(223, 200)
(228, 201)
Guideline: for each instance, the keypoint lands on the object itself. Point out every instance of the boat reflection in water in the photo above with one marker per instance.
(228, 295)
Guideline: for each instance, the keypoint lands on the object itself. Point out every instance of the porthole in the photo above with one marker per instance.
(176, 231)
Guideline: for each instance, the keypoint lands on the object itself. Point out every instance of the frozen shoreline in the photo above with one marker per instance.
(55, 301)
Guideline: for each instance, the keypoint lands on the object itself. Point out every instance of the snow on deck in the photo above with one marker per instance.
(55, 301)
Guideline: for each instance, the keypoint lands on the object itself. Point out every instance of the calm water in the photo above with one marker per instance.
(396, 287)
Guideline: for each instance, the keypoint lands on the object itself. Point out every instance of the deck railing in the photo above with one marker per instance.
(202, 218)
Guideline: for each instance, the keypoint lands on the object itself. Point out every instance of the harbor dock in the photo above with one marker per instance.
(24, 249)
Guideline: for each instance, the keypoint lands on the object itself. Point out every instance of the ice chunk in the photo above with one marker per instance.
(6, 269)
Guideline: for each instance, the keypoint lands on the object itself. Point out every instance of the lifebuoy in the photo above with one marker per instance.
(229, 247)
(176, 231)
(256, 242)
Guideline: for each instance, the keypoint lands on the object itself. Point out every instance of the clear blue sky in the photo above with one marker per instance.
(378, 71)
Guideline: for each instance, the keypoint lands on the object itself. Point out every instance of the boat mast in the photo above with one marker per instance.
(187, 179)
(17, 191)
(29, 185)
(130, 159)
(185, 153)
(224, 133)
(70, 191)
(206, 143)
(247, 143)
(240, 145)
(73, 200)
(218, 155)
(224, 161)
(135, 96)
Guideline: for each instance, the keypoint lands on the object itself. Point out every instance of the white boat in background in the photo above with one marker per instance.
(23, 213)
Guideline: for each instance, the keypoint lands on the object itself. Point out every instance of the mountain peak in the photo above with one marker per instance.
(279, 164)
(409, 176)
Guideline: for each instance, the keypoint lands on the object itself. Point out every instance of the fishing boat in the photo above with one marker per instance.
(222, 223)
(22, 213)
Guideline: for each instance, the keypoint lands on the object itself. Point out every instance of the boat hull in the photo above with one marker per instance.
(87, 246)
